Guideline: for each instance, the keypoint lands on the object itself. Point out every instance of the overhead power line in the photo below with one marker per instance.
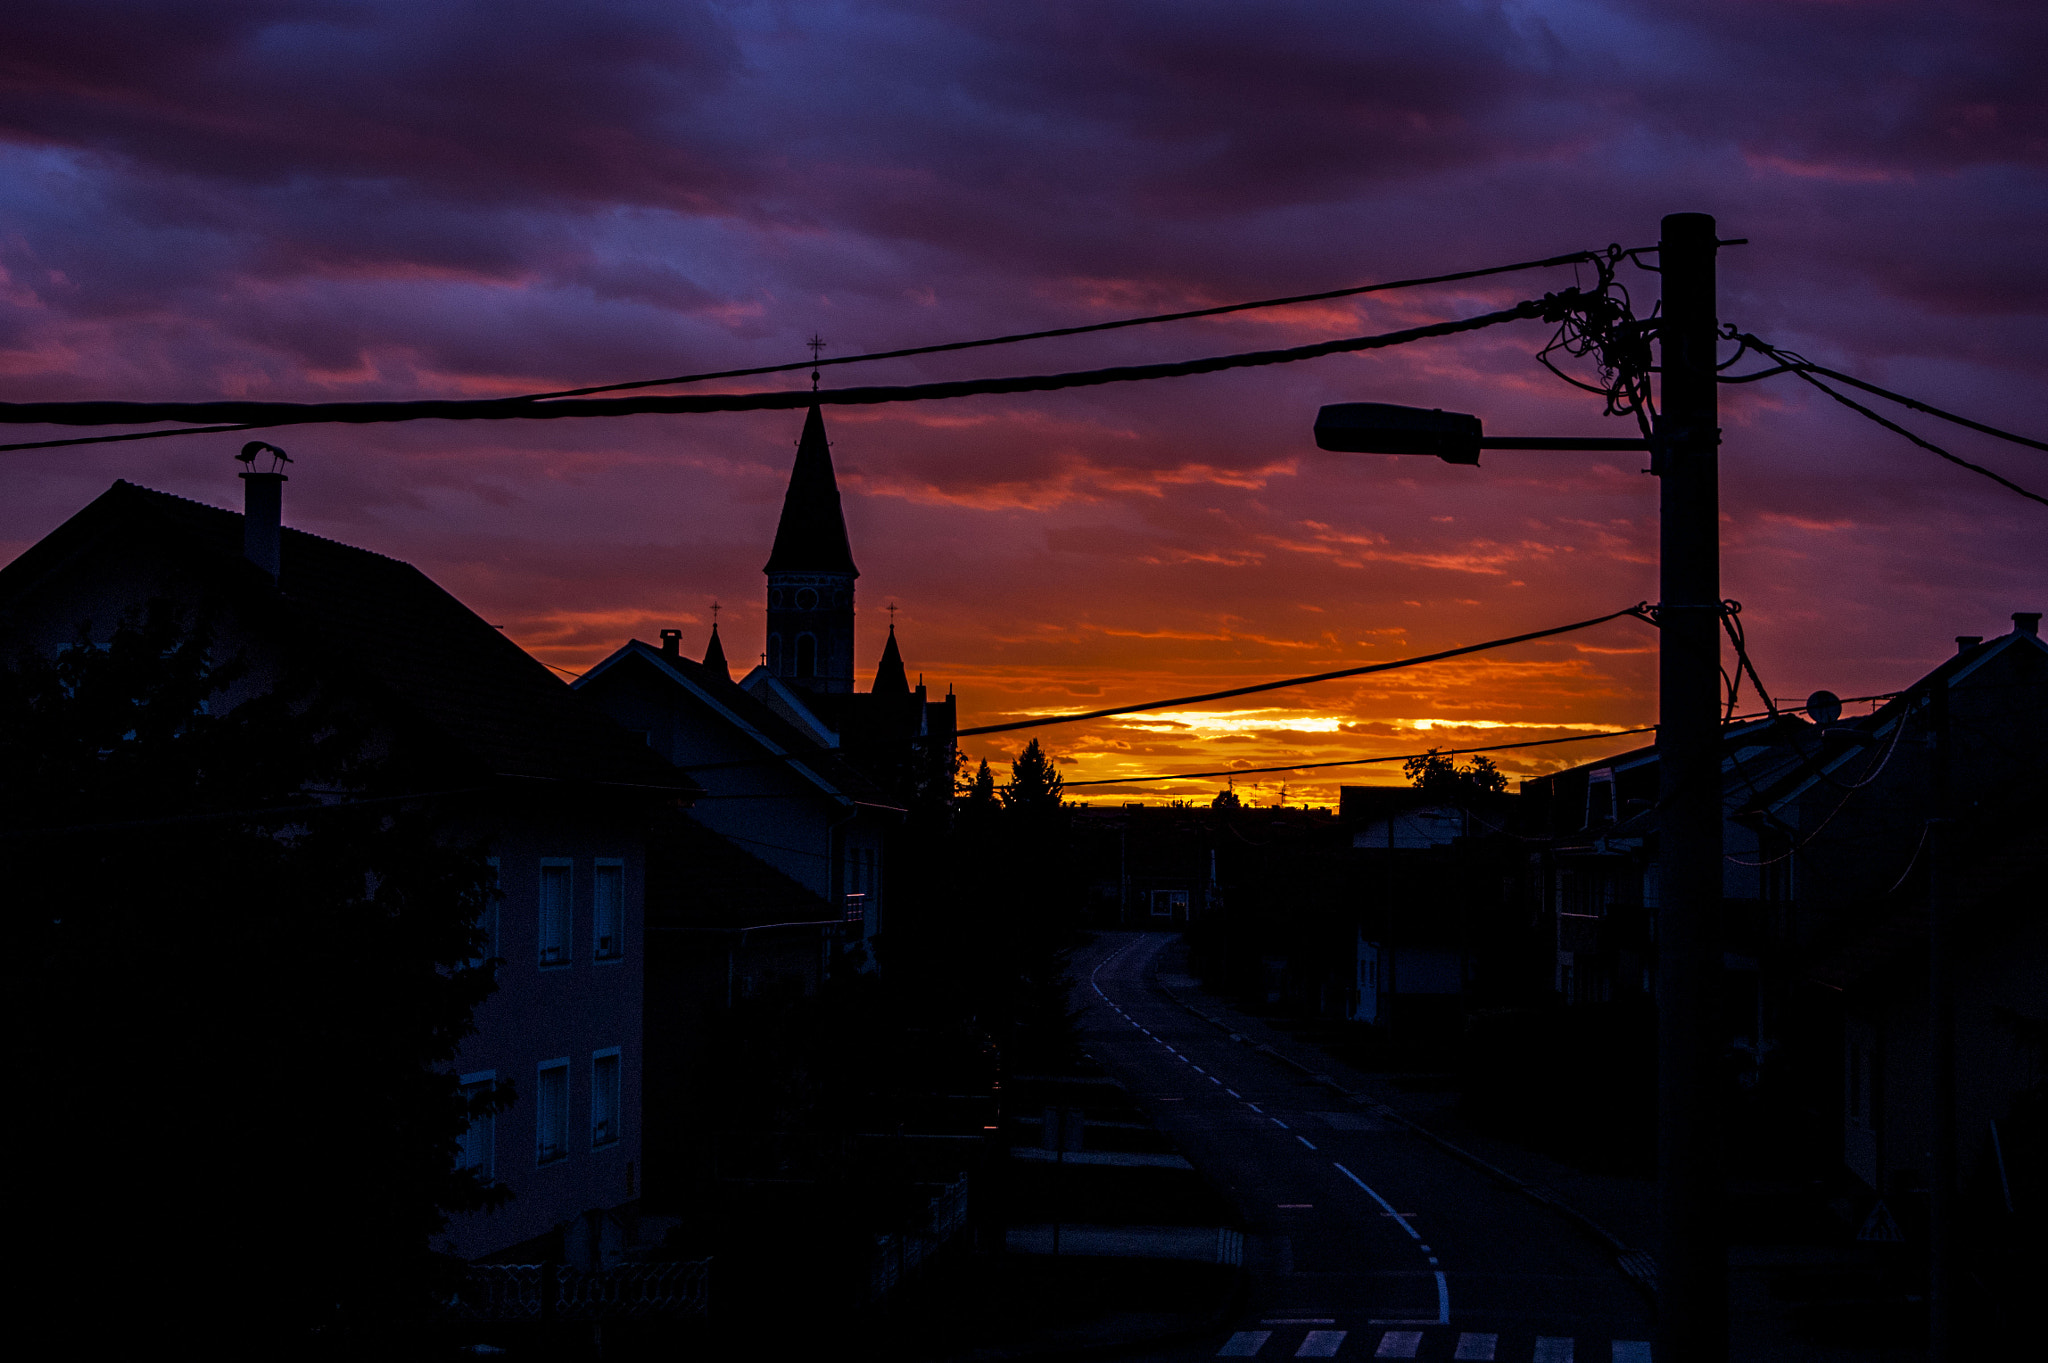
(1571, 258)
(1789, 362)
(1359, 761)
(1640, 611)
(258, 415)
(1921, 441)
(1777, 712)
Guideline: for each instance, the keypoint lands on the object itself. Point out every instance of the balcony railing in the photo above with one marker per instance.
(554, 1292)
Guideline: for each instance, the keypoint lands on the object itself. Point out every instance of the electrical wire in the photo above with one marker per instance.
(1790, 362)
(1639, 611)
(1921, 441)
(1848, 794)
(1731, 623)
(1576, 257)
(1612, 253)
(259, 415)
(1798, 362)
(1358, 761)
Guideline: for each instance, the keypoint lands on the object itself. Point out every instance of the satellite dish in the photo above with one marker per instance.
(1824, 708)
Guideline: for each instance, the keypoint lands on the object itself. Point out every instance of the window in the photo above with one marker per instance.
(487, 918)
(551, 1112)
(1167, 903)
(608, 913)
(775, 654)
(806, 655)
(604, 1097)
(554, 911)
(478, 1150)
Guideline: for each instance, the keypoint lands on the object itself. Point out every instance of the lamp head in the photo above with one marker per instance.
(1382, 428)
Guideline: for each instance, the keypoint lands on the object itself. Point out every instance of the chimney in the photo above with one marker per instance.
(671, 643)
(2027, 622)
(263, 506)
(262, 520)
(1966, 642)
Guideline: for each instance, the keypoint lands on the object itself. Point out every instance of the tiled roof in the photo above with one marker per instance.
(470, 694)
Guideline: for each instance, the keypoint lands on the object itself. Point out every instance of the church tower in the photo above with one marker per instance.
(810, 575)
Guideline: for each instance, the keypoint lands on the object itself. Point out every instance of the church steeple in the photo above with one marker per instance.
(890, 679)
(714, 656)
(811, 573)
(811, 537)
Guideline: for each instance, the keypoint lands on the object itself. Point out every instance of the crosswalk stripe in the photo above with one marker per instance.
(1244, 1344)
(1631, 1351)
(1553, 1349)
(1476, 1346)
(1399, 1344)
(1320, 1344)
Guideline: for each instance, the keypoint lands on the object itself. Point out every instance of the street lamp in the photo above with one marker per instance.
(1692, 1257)
(1455, 438)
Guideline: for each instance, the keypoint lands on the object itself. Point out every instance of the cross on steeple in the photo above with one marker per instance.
(892, 617)
(817, 343)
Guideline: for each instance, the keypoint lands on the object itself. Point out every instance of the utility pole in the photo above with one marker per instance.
(1692, 1260)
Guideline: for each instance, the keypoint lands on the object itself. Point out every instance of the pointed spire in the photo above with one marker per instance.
(811, 537)
(889, 677)
(714, 656)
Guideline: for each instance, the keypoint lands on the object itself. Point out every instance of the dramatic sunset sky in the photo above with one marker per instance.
(341, 199)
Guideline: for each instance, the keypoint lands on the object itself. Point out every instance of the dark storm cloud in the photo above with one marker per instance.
(286, 199)
(493, 99)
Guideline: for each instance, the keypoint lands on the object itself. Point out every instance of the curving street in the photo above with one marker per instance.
(1362, 1239)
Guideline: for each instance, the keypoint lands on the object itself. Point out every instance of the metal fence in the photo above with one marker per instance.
(554, 1292)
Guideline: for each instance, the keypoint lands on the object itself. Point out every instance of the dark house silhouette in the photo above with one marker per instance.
(564, 797)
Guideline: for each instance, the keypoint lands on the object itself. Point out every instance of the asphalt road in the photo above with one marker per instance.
(1363, 1240)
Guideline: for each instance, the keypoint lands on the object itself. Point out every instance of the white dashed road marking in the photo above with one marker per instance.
(1244, 1344)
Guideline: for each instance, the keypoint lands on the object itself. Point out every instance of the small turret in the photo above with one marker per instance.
(890, 679)
(714, 656)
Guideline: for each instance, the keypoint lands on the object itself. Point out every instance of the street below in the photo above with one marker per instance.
(1361, 1238)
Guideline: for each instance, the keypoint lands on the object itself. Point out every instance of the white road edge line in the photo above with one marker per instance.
(1443, 1288)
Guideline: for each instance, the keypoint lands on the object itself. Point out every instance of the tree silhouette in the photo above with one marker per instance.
(1439, 778)
(1035, 787)
(234, 1003)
